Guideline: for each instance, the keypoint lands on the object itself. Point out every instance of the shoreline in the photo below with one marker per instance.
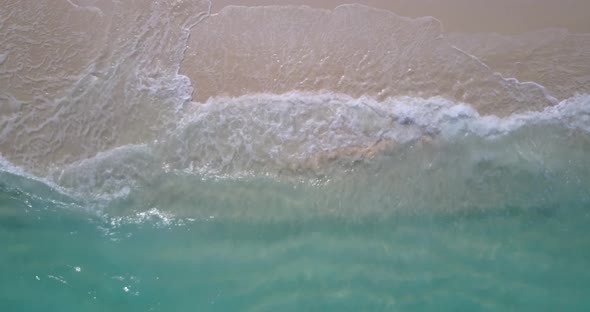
(279, 49)
(502, 16)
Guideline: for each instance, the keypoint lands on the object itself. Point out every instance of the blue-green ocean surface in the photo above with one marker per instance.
(509, 260)
(360, 243)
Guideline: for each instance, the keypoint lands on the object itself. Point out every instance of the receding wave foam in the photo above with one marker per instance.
(299, 132)
(369, 157)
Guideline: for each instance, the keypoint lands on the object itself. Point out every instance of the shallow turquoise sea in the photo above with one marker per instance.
(57, 257)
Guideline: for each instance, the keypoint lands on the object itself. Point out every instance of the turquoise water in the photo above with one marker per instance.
(57, 255)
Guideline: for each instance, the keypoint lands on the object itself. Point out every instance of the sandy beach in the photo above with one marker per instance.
(466, 15)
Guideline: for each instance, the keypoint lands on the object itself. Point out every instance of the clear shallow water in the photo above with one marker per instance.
(55, 259)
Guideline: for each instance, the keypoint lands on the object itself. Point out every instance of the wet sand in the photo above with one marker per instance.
(467, 15)
(279, 49)
(530, 40)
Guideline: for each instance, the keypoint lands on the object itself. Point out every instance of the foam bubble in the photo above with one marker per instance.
(306, 137)
(300, 132)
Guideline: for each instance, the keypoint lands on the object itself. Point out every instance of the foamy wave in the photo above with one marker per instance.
(295, 134)
(376, 157)
(108, 175)
(305, 131)
(302, 136)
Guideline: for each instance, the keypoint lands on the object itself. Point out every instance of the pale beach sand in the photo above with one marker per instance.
(466, 15)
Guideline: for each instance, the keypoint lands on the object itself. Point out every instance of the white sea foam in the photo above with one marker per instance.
(379, 156)
(7, 167)
(293, 134)
(297, 135)
(304, 131)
